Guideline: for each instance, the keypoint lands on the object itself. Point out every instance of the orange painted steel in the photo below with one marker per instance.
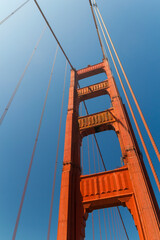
(128, 186)
(130, 88)
(93, 91)
(96, 122)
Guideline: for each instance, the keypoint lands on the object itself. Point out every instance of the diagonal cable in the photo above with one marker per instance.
(33, 153)
(53, 33)
(5, 19)
(21, 78)
(55, 169)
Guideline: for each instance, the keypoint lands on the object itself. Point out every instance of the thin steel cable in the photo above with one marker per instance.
(55, 168)
(131, 90)
(21, 78)
(95, 22)
(105, 225)
(122, 223)
(89, 164)
(95, 172)
(116, 227)
(53, 33)
(99, 224)
(33, 153)
(6, 18)
(82, 141)
(131, 110)
(93, 226)
(119, 230)
(94, 160)
(113, 224)
(109, 224)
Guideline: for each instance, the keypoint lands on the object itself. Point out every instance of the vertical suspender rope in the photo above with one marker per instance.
(130, 88)
(109, 225)
(21, 78)
(119, 230)
(122, 223)
(131, 110)
(33, 153)
(113, 224)
(95, 172)
(93, 226)
(116, 222)
(99, 224)
(105, 223)
(94, 160)
(55, 168)
(5, 19)
(82, 142)
(89, 164)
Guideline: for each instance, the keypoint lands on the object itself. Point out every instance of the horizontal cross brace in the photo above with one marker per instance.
(97, 122)
(92, 91)
(90, 71)
(106, 189)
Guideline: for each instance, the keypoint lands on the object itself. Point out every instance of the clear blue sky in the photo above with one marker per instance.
(134, 28)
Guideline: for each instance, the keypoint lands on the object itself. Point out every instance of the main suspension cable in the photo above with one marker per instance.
(53, 33)
(6, 18)
(131, 110)
(33, 153)
(131, 90)
(55, 168)
(21, 78)
(95, 22)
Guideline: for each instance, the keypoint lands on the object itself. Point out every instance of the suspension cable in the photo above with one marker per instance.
(33, 153)
(55, 168)
(105, 225)
(53, 33)
(109, 224)
(6, 18)
(114, 216)
(113, 224)
(93, 226)
(131, 90)
(119, 230)
(99, 224)
(131, 110)
(95, 172)
(100, 41)
(89, 164)
(21, 78)
(82, 141)
(122, 223)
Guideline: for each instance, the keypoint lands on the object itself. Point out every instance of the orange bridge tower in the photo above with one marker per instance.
(128, 186)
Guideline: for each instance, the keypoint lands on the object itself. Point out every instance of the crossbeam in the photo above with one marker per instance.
(106, 189)
(97, 122)
(93, 91)
(90, 71)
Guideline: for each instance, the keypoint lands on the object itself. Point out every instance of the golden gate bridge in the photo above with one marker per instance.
(82, 192)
